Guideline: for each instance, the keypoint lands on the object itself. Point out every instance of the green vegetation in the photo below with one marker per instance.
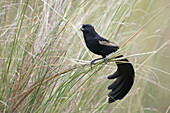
(44, 63)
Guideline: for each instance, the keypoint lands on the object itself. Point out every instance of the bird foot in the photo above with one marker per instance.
(93, 61)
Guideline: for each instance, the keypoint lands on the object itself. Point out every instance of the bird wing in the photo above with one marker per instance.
(107, 43)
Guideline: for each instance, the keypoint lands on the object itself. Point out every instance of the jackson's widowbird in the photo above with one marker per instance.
(124, 73)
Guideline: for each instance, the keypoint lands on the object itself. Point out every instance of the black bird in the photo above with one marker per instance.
(125, 72)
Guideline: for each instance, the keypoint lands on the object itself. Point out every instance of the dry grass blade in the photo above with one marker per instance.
(45, 64)
(145, 25)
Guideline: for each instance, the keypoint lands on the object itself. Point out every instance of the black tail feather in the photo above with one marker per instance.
(115, 75)
(125, 78)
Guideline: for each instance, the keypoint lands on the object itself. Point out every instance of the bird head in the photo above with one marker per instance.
(88, 30)
(87, 27)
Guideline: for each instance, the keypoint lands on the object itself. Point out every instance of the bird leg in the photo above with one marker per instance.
(105, 58)
(111, 54)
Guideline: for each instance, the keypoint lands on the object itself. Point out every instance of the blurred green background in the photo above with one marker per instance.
(44, 62)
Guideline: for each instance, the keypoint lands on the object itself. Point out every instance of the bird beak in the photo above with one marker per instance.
(82, 29)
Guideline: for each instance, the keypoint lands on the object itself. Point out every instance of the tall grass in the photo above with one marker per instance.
(44, 62)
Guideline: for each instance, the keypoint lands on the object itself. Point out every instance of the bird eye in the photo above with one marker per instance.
(84, 26)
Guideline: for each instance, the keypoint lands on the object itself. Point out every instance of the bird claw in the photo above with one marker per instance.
(92, 62)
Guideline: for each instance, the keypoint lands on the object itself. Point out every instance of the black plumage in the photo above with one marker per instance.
(125, 72)
(96, 43)
(125, 78)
